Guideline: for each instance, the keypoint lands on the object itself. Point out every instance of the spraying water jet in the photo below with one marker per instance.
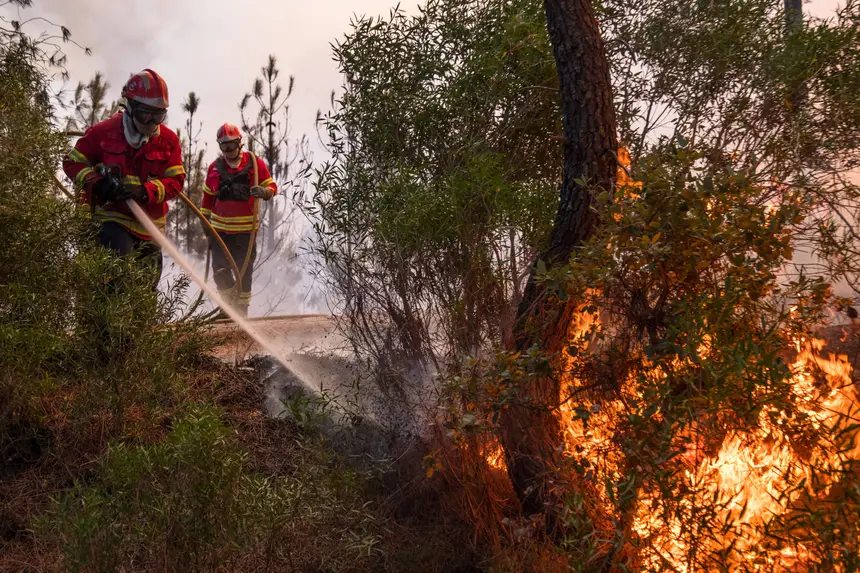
(174, 253)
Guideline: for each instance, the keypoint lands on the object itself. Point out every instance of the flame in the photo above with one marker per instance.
(622, 177)
(752, 479)
(753, 474)
(495, 456)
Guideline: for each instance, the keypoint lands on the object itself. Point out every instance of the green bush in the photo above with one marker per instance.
(194, 503)
(186, 504)
(82, 336)
(442, 180)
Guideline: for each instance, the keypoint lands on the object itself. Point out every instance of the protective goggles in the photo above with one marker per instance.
(230, 145)
(148, 115)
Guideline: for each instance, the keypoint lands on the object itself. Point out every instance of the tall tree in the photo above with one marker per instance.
(184, 226)
(685, 268)
(532, 434)
(90, 104)
(793, 13)
(794, 24)
(268, 132)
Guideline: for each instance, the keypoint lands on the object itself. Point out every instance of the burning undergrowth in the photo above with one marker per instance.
(702, 421)
(705, 472)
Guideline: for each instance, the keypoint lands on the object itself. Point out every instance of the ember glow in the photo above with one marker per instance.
(495, 456)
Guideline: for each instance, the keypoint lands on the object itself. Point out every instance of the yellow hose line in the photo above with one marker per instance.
(212, 230)
(241, 274)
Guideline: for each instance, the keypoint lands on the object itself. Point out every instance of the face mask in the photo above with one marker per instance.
(231, 149)
(146, 129)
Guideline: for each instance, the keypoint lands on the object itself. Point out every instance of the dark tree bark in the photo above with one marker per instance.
(793, 14)
(532, 436)
(798, 94)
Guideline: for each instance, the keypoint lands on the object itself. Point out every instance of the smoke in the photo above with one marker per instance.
(280, 286)
(215, 48)
(122, 35)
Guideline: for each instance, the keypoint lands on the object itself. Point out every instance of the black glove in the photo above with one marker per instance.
(129, 191)
(105, 189)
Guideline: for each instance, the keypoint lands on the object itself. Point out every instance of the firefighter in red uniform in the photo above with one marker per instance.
(228, 201)
(145, 160)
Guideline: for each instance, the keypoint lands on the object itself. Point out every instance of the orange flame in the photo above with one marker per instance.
(496, 457)
(753, 476)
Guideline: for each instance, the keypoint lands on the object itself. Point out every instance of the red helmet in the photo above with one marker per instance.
(147, 88)
(228, 132)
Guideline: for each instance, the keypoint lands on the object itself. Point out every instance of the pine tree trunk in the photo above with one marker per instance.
(532, 436)
(793, 14)
(798, 94)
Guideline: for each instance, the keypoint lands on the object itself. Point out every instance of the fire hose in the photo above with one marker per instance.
(211, 230)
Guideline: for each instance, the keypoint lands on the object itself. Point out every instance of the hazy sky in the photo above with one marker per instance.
(213, 47)
(217, 47)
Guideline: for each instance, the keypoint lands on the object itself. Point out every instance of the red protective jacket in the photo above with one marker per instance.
(157, 166)
(233, 216)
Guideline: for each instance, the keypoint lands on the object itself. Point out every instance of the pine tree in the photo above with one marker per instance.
(90, 104)
(268, 135)
(183, 224)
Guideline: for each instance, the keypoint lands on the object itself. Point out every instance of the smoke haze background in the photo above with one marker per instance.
(216, 48)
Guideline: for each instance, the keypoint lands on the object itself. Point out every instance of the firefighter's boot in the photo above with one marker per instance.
(229, 297)
(243, 302)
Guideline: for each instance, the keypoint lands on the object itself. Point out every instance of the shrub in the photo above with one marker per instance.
(186, 504)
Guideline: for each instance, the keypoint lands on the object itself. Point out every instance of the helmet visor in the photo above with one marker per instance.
(229, 146)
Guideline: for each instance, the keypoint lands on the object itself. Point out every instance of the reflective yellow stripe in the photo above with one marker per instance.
(78, 157)
(206, 212)
(207, 190)
(117, 216)
(245, 298)
(160, 187)
(103, 215)
(131, 180)
(235, 224)
(233, 228)
(242, 219)
(174, 171)
(266, 182)
(81, 177)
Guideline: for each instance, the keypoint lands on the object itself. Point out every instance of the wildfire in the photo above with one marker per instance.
(755, 477)
(623, 179)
